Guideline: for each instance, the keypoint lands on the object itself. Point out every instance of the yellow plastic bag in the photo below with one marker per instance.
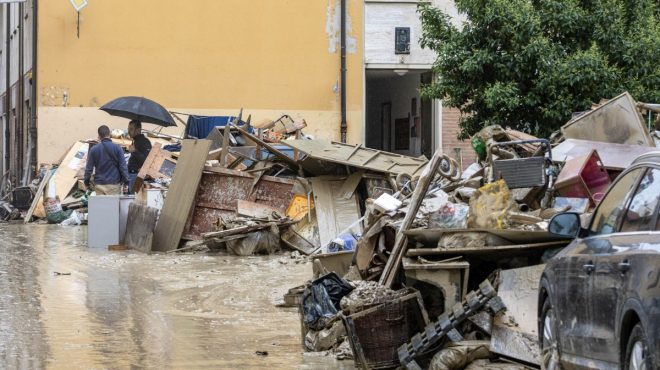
(490, 206)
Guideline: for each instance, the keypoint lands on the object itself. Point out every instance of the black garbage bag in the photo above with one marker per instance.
(321, 300)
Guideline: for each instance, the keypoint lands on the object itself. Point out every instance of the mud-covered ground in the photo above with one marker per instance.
(66, 306)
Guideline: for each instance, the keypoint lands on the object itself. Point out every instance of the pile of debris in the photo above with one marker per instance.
(442, 233)
(57, 195)
(415, 260)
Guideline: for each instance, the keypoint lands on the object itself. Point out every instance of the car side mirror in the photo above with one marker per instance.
(566, 225)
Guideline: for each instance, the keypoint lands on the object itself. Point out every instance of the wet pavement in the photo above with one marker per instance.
(66, 306)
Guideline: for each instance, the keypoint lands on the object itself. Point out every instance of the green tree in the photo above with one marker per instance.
(528, 64)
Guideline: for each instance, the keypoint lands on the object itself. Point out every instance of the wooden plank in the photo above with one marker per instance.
(65, 177)
(401, 241)
(38, 195)
(225, 144)
(333, 212)
(350, 184)
(373, 156)
(303, 236)
(251, 209)
(158, 164)
(214, 154)
(238, 230)
(230, 172)
(484, 250)
(181, 195)
(140, 226)
(268, 147)
(357, 147)
(366, 245)
(352, 155)
(198, 243)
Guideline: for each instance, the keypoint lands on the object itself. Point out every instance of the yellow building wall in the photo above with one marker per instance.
(269, 57)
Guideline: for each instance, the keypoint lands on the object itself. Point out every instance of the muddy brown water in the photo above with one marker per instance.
(66, 306)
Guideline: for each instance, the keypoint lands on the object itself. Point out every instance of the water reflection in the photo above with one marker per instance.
(63, 305)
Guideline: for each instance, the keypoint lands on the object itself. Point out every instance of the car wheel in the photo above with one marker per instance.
(638, 356)
(549, 342)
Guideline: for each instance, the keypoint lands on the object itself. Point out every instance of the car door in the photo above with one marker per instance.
(616, 263)
(576, 284)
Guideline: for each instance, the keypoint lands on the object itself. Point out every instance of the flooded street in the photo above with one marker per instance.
(66, 306)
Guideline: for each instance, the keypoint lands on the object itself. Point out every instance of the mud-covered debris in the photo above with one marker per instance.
(366, 293)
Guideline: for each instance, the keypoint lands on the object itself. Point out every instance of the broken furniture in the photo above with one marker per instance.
(159, 164)
(67, 175)
(401, 242)
(584, 177)
(337, 262)
(450, 277)
(615, 157)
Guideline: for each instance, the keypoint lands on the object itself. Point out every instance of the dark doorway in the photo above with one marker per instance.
(397, 118)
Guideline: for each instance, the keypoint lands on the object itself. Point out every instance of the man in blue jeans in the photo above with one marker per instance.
(139, 150)
(106, 160)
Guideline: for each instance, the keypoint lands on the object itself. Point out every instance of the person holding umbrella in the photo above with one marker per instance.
(139, 110)
(106, 160)
(139, 150)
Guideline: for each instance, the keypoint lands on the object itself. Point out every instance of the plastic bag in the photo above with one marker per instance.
(456, 358)
(450, 216)
(344, 242)
(73, 220)
(321, 300)
(490, 206)
(257, 242)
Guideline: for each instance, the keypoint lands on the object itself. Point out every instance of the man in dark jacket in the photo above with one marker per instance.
(107, 161)
(139, 150)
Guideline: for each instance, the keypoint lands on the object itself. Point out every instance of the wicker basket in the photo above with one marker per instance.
(376, 333)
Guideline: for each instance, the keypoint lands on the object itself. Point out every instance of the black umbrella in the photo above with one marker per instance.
(142, 109)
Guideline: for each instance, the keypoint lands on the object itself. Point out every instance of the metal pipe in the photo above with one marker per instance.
(7, 88)
(33, 87)
(20, 103)
(344, 126)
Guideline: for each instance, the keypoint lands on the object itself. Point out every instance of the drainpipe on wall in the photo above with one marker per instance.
(33, 87)
(344, 126)
(20, 105)
(7, 89)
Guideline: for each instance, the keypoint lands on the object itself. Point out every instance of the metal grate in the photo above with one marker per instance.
(520, 173)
